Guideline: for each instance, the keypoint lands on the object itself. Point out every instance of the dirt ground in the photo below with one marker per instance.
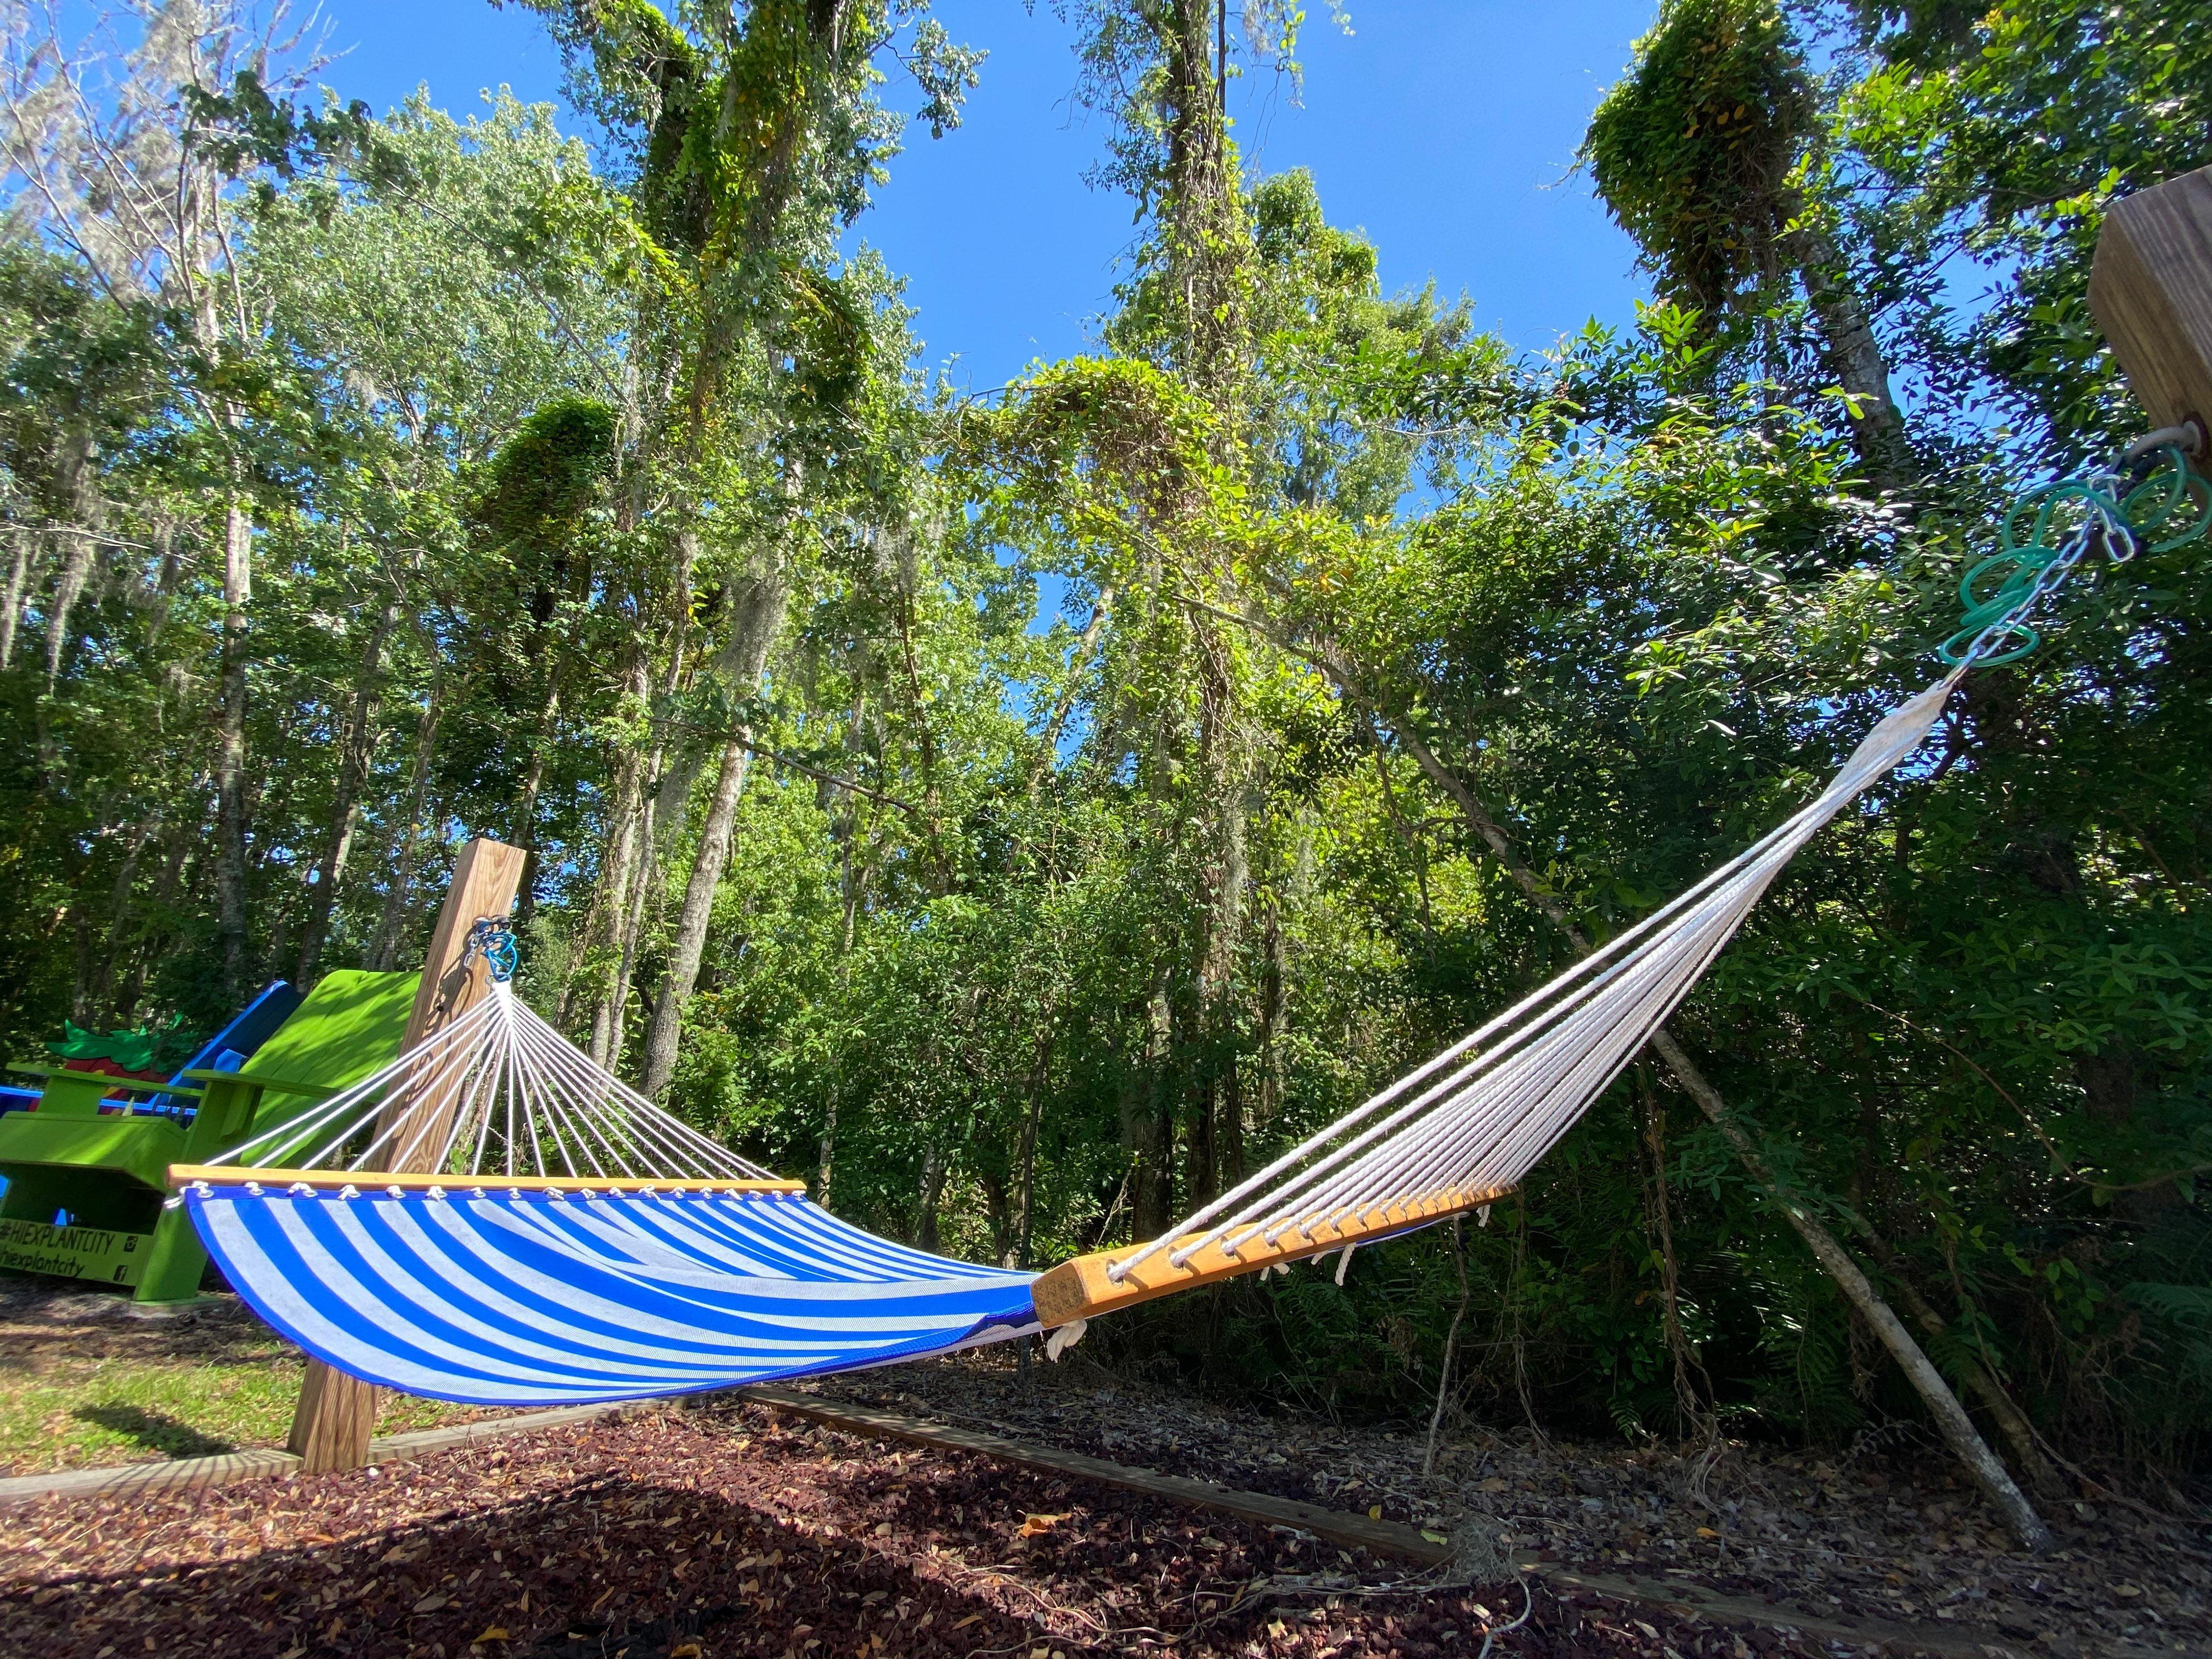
(720, 1530)
(1889, 1531)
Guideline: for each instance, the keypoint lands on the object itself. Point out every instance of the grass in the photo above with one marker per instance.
(84, 1384)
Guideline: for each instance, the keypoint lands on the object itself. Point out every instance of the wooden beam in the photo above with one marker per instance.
(231, 1175)
(485, 878)
(1078, 1289)
(2150, 289)
(337, 1413)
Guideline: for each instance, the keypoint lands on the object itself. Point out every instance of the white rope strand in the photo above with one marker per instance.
(1481, 1113)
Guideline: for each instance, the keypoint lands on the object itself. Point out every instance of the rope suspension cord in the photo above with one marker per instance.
(1574, 1028)
(1470, 1123)
(524, 1104)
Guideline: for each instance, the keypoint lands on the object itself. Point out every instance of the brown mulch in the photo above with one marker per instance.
(723, 1531)
(1887, 1530)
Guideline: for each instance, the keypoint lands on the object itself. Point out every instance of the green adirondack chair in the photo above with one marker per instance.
(108, 1173)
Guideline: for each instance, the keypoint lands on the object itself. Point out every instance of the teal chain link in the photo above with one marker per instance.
(493, 939)
(2127, 513)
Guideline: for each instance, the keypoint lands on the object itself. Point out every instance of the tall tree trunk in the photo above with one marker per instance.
(355, 751)
(76, 479)
(1208, 276)
(602, 928)
(759, 619)
(930, 1191)
(96, 999)
(687, 947)
(615, 1021)
(1217, 1132)
(1148, 1119)
(1209, 241)
(1022, 1201)
(1854, 357)
(392, 925)
(523, 829)
(1275, 984)
(656, 789)
(853, 880)
(76, 550)
(18, 573)
(230, 748)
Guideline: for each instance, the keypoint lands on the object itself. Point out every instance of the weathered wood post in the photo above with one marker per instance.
(337, 1413)
(2150, 290)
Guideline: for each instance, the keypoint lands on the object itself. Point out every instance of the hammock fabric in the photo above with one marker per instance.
(497, 1296)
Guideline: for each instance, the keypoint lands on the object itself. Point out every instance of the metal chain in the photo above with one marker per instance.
(2146, 508)
(493, 939)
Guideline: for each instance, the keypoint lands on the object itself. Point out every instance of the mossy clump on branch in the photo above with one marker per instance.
(1693, 149)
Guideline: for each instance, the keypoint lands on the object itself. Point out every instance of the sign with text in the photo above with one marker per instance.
(90, 1253)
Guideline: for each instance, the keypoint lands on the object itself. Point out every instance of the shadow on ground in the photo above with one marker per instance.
(156, 1431)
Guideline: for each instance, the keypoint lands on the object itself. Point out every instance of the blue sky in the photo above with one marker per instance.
(1446, 131)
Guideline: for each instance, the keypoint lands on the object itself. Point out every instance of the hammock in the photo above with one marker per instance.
(579, 1243)
(594, 1247)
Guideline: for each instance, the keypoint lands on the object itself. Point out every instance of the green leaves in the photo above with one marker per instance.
(1692, 151)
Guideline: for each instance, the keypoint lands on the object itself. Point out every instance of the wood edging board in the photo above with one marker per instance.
(186, 1474)
(377, 1181)
(1381, 1537)
(1085, 1287)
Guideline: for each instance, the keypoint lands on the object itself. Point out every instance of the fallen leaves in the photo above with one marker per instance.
(1767, 1523)
(782, 1542)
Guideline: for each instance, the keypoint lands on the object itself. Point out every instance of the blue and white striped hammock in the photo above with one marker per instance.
(580, 1244)
(496, 1296)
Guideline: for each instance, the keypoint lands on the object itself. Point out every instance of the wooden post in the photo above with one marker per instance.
(485, 878)
(337, 1413)
(2150, 290)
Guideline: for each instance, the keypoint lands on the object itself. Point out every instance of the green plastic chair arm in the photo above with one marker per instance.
(128, 1086)
(280, 1085)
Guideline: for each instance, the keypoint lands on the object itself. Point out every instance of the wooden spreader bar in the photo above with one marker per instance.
(377, 1181)
(1081, 1288)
